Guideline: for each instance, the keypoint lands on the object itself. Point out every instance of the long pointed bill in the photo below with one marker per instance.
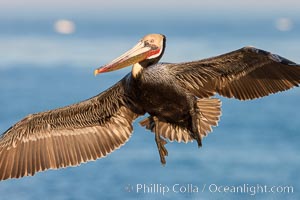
(138, 53)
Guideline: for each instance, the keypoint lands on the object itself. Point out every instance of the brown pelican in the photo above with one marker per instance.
(177, 97)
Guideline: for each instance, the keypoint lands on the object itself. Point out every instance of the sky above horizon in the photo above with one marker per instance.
(153, 3)
(15, 8)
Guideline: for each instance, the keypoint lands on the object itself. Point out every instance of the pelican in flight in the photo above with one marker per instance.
(177, 97)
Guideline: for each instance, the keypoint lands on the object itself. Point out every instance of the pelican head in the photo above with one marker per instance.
(146, 52)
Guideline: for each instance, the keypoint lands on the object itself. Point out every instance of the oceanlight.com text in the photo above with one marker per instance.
(248, 189)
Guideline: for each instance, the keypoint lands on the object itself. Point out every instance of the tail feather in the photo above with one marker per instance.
(209, 115)
(210, 112)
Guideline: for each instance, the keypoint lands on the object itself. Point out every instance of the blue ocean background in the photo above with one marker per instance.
(256, 142)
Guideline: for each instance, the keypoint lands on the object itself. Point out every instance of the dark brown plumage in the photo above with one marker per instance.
(177, 97)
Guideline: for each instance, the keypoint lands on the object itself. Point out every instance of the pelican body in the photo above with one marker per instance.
(177, 96)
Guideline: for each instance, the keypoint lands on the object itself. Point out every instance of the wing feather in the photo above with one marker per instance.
(247, 73)
(67, 136)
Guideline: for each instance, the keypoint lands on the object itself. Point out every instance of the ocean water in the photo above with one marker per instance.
(256, 145)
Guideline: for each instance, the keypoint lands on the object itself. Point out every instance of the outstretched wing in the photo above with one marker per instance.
(67, 136)
(247, 73)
